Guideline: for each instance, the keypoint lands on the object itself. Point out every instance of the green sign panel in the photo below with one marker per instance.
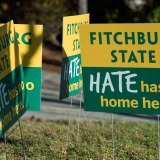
(13, 101)
(33, 79)
(71, 73)
(29, 39)
(120, 66)
(72, 76)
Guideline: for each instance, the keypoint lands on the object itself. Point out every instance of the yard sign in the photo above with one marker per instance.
(13, 101)
(71, 73)
(121, 67)
(29, 38)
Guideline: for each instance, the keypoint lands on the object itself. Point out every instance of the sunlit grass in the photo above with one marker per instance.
(46, 140)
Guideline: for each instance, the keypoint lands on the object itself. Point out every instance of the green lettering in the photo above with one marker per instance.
(92, 38)
(152, 56)
(107, 36)
(3, 43)
(7, 39)
(132, 57)
(114, 56)
(123, 52)
(127, 38)
(28, 41)
(17, 36)
(141, 52)
(141, 39)
(100, 37)
(115, 37)
(11, 39)
(155, 38)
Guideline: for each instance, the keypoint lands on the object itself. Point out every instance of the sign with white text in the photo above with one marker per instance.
(71, 73)
(120, 66)
(29, 39)
(13, 101)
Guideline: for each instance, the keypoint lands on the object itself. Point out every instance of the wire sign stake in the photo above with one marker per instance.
(22, 141)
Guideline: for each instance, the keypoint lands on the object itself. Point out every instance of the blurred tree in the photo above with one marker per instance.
(154, 16)
(46, 12)
(109, 11)
(50, 13)
(122, 11)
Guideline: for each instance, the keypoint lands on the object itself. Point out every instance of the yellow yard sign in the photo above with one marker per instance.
(71, 73)
(13, 103)
(120, 67)
(29, 40)
(71, 43)
(124, 45)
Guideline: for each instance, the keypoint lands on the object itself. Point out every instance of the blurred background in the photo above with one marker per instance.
(50, 14)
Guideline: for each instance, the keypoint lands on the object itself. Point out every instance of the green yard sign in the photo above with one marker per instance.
(13, 101)
(71, 73)
(121, 67)
(29, 38)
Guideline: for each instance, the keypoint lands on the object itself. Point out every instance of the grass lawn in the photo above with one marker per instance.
(46, 140)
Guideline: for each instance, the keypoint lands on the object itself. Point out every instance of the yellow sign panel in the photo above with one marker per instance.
(8, 51)
(115, 45)
(29, 39)
(71, 43)
(13, 103)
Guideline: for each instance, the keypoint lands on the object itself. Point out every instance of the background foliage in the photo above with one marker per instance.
(50, 13)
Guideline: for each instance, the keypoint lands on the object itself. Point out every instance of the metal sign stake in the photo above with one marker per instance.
(112, 136)
(158, 140)
(80, 107)
(22, 142)
(69, 123)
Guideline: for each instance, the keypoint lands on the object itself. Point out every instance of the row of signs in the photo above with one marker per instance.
(71, 70)
(20, 71)
(120, 65)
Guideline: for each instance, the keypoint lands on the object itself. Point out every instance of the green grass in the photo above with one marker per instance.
(46, 140)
